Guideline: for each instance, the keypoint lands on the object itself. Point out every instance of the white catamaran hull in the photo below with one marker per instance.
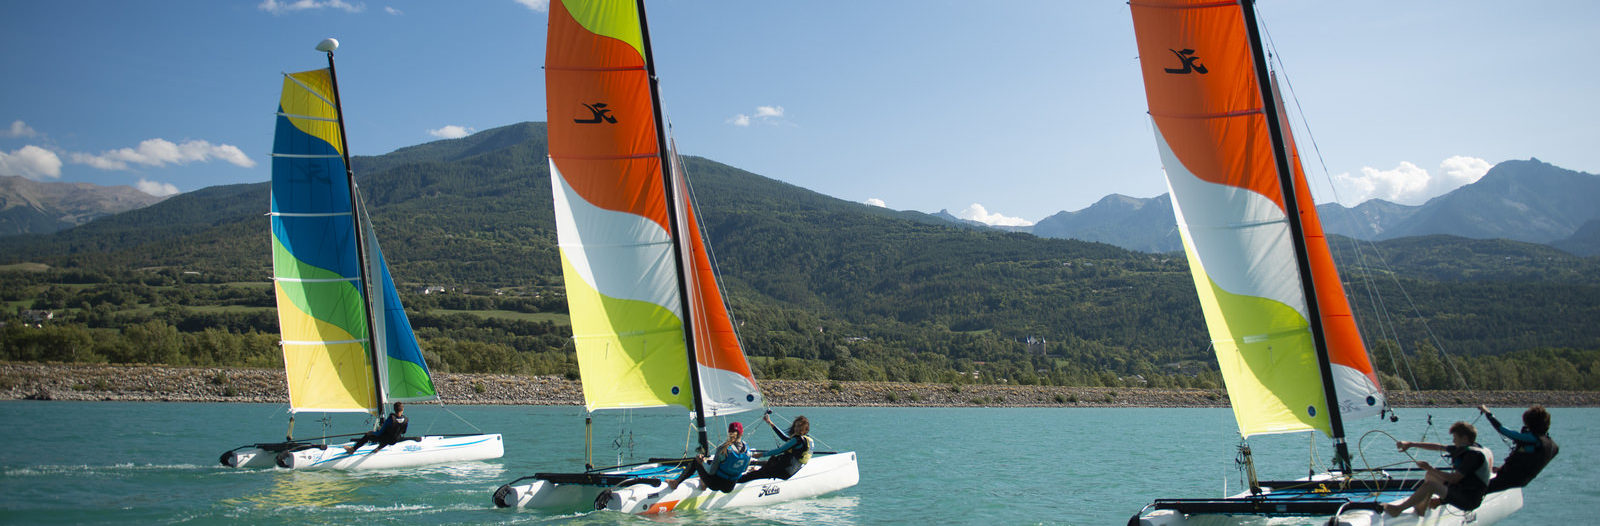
(1496, 506)
(406, 453)
(824, 474)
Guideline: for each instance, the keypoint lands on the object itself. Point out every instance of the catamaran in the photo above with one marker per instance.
(346, 346)
(648, 318)
(1286, 342)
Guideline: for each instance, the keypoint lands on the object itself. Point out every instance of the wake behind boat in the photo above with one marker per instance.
(648, 317)
(346, 346)
(1287, 344)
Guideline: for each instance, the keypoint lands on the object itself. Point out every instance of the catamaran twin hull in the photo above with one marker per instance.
(411, 452)
(643, 489)
(1320, 505)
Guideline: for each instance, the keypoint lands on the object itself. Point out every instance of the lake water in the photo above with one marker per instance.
(115, 462)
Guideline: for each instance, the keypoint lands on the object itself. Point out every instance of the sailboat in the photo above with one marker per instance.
(347, 344)
(1287, 344)
(648, 318)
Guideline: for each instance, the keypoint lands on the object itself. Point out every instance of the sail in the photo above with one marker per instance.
(614, 226)
(1212, 134)
(726, 383)
(316, 268)
(402, 371)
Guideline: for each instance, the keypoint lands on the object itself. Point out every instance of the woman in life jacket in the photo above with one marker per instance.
(1531, 449)
(732, 457)
(1463, 488)
(786, 459)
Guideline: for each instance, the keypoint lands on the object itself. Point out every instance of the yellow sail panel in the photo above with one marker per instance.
(327, 368)
(631, 353)
(328, 377)
(308, 102)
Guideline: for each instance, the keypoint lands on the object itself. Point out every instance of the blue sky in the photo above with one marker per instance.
(1006, 111)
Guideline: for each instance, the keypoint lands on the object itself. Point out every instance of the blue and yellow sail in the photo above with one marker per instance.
(328, 341)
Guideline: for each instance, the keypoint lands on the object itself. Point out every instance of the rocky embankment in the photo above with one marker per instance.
(200, 384)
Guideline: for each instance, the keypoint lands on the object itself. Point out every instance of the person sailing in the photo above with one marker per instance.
(390, 432)
(732, 457)
(787, 459)
(1531, 449)
(1464, 488)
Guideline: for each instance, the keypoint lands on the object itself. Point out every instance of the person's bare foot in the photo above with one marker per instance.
(1392, 510)
(349, 450)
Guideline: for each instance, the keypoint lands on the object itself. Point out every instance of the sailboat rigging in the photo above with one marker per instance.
(1287, 344)
(347, 343)
(649, 322)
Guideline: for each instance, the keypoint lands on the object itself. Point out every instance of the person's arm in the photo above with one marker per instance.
(1525, 438)
(787, 445)
(782, 436)
(1403, 445)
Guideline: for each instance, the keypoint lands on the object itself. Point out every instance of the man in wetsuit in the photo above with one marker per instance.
(390, 432)
(1464, 488)
(1531, 449)
(786, 459)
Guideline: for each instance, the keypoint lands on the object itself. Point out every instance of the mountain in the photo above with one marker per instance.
(1585, 242)
(1529, 201)
(853, 291)
(31, 207)
(1145, 225)
(1521, 200)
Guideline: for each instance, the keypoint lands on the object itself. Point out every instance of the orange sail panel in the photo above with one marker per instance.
(1211, 131)
(726, 383)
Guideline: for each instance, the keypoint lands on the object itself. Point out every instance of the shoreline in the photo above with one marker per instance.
(148, 383)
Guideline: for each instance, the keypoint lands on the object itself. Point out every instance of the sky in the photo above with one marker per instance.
(1006, 111)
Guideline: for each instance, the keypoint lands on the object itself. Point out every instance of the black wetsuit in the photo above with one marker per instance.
(1529, 454)
(387, 434)
(785, 460)
(1468, 492)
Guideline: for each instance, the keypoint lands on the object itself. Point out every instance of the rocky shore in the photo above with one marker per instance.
(30, 381)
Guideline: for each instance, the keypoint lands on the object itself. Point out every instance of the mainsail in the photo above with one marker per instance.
(640, 287)
(1213, 132)
(328, 336)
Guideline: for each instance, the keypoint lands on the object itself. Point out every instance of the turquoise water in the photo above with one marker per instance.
(114, 462)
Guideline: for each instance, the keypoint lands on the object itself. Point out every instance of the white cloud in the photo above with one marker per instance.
(978, 213)
(31, 162)
(536, 5)
(766, 114)
(452, 132)
(877, 202)
(162, 152)
(155, 188)
(277, 7)
(1408, 184)
(19, 129)
(393, 11)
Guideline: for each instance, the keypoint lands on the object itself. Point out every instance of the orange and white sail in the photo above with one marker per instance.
(627, 277)
(1212, 133)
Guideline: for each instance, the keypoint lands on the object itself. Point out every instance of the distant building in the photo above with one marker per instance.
(432, 289)
(38, 316)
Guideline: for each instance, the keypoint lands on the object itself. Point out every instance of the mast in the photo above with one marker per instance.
(355, 218)
(1291, 205)
(677, 237)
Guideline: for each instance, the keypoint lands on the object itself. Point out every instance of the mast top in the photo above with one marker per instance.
(327, 45)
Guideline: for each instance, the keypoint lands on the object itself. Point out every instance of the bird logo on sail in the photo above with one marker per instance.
(1189, 60)
(600, 113)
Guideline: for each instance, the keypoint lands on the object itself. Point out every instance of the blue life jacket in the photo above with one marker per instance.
(734, 463)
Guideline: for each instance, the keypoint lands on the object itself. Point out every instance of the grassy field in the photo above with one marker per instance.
(558, 319)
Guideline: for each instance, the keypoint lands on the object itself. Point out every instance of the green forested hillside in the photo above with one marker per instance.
(822, 288)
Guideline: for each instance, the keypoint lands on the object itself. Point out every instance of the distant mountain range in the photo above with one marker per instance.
(1530, 201)
(32, 207)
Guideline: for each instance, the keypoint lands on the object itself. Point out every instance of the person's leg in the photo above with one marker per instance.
(689, 470)
(365, 438)
(1429, 487)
